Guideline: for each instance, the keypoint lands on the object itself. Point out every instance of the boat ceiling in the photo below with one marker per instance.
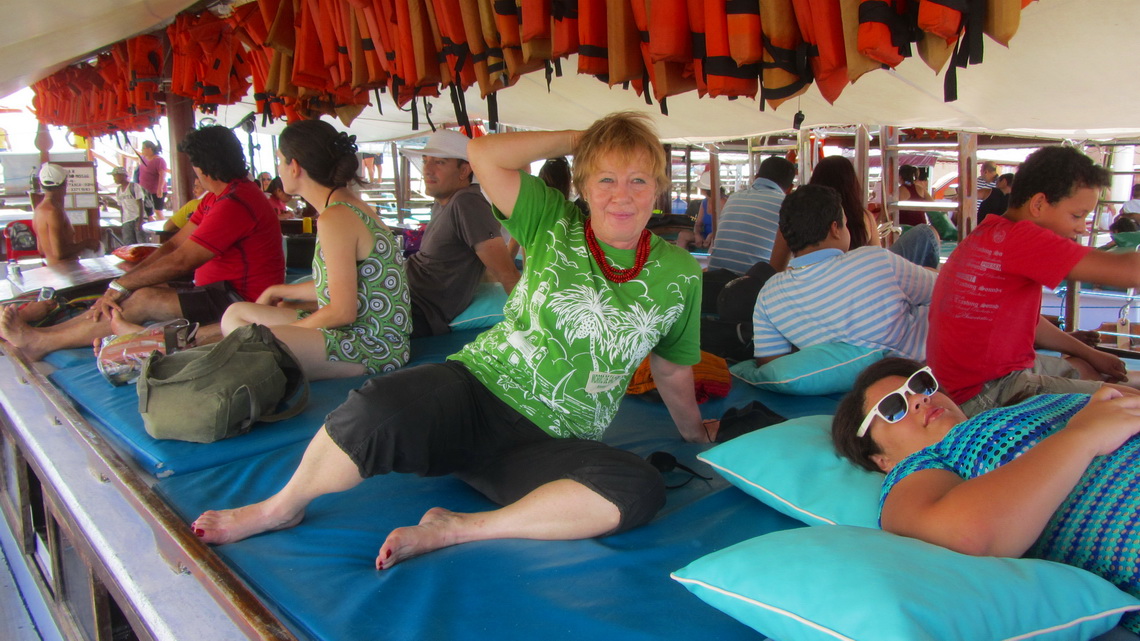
(1069, 73)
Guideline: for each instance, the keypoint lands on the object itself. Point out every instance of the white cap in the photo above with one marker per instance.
(705, 181)
(443, 143)
(52, 175)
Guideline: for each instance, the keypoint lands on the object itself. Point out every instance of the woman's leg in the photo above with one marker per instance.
(552, 489)
(239, 314)
(324, 469)
(308, 345)
(558, 511)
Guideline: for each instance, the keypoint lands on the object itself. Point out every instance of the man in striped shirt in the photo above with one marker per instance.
(869, 297)
(747, 229)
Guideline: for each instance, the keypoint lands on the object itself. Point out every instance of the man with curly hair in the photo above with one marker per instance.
(231, 247)
(985, 316)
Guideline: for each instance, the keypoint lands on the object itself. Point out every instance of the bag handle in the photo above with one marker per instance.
(302, 401)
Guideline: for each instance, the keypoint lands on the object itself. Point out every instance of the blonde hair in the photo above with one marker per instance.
(626, 133)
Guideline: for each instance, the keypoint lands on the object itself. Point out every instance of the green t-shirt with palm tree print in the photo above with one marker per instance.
(570, 339)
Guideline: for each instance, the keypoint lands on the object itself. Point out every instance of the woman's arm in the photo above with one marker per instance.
(338, 235)
(872, 226)
(1002, 513)
(498, 158)
(275, 294)
(675, 383)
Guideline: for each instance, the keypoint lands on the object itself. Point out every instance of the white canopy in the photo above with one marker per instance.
(1069, 73)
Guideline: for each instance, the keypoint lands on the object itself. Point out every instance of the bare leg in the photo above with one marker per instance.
(119, 326)
(36, 342)
(324, 469)
(307, 344)
(35, 311)
(240, 314)
(558, 511)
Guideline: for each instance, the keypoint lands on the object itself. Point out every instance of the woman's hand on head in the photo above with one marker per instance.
(1109, 419)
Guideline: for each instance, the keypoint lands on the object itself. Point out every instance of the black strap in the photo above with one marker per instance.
(493, 111)
(665, 463)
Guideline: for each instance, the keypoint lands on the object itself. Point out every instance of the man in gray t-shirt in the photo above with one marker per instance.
(462, 239)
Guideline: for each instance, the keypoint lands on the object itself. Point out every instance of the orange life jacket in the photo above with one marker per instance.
(744, 35)
(666, 78)
(943, 18)
(563, 28)
(857, 62)
(592, 39)
(623, 47)
(821, 25)
(786, 72)
(534, 20)
(886, 29)
(668, 27)
(1003, 18)
(722, 75)
(490, 68)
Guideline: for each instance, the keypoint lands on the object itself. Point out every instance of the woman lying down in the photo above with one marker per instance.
(1055, 477)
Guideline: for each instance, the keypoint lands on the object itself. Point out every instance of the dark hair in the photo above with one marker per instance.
(807, 214)
(216, 152)
(1123, 223)
(908, 173)
(1008, 178)
(1056, 172)
(327, 155)
(838, 173)
(849, 413)
(779, 170)
(555, 172)
(151, 145)
(274, 185)
(1136, 190)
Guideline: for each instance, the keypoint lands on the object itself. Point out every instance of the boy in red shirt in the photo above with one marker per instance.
(985, 315)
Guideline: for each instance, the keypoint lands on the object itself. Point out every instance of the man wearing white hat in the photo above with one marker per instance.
(131, 198)
(462, 239)
(55, 237)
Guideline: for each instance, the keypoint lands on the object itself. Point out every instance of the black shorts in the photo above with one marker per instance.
(157, 202)
(205, 305)
(439, 419)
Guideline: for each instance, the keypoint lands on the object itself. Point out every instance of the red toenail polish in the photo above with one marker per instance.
(199, 532)
(388, 554)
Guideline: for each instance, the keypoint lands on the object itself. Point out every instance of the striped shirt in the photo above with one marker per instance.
(869, 297)
(747, 227)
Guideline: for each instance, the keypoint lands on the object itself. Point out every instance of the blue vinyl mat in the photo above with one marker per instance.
(115, 410)
(319, 576)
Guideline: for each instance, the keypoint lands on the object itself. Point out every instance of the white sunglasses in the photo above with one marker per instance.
(893, 407)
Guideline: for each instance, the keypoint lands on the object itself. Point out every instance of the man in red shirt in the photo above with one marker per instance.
(231, 245)
(985, 315)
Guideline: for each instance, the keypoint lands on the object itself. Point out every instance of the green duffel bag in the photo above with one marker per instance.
(209, 393)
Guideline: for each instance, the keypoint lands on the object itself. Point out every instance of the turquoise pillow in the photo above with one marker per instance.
(485, 310)
(828, 368)
(823, 584)
(793, 468)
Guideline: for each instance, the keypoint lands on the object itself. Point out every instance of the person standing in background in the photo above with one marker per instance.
(131, 198)
(152, 177)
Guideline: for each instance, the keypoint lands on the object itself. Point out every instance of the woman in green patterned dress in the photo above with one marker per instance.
(362, 322)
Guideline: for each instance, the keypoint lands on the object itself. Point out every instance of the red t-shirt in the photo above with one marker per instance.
(242, 231)
(987, 302)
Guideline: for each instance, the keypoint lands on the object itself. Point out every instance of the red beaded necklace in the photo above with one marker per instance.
(613, 274)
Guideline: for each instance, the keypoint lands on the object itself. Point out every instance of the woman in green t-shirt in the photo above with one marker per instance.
(515, 414)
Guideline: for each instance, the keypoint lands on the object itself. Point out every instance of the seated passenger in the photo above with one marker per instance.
(516, 412)
(279, 199)
(985, 315)
(180, 217)
(462, 239)
(919, 244)
(869, 296)
(363, 321)
(748, 227)
(1055, 477)
(232, 246)
(55, 237)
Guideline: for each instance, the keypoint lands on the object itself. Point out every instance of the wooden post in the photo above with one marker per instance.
(180, 121)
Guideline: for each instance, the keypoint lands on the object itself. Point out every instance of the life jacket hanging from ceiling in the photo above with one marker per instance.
(513, 56)
(786, 69)
(886, 29)
(858, 63)
(943, 18)
(695, 9)
(623, 48)
(453, 38)
(670, 39)
(970, 47)
(821, 25)
(490, 68)
(308, 60)
(534, 20)
(1003, 18)
(283, 25)
(592, 38)
(563, 28)
(666, 78)
(742, 18)
(722, 75)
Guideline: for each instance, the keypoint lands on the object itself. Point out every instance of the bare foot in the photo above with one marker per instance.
(35, 311)
(120, 326)
(227, 526)
(14, 330)
(437, 529)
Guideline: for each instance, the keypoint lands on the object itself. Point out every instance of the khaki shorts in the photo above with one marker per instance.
(1049, 375)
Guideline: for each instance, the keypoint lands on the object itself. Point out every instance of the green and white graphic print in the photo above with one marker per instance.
(571, 339)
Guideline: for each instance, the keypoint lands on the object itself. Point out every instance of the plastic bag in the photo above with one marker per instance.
(120, 358)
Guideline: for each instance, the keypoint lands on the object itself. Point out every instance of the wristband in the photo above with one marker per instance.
(115, 286)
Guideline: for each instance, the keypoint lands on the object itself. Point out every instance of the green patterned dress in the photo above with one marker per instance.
(378, 338)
